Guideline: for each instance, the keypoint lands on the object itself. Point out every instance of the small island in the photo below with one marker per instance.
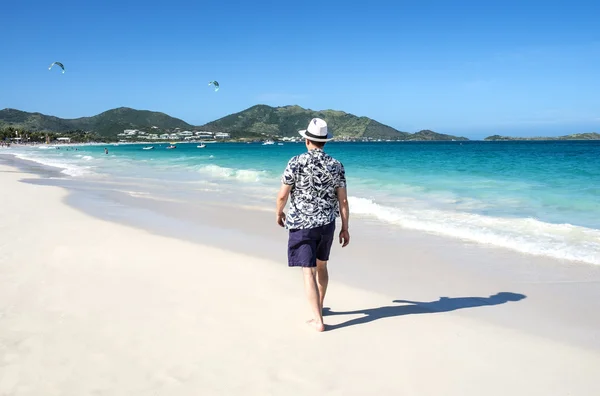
(576, 136)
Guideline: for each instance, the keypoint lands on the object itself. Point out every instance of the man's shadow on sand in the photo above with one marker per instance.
(444, 304)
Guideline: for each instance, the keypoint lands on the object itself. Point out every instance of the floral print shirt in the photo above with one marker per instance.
(314, 176)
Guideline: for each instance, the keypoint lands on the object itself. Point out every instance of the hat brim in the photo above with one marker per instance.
(303, 134)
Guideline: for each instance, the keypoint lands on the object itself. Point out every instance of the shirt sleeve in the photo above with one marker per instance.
(341, 181)
(289, 174)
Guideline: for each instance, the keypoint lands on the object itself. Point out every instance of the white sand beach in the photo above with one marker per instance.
(92, 307)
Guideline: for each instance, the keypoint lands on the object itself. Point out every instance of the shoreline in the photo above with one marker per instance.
(261, 140)
(117, 309)
(539, 237)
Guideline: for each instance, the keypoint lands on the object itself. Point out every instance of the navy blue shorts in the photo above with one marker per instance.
(306, 246)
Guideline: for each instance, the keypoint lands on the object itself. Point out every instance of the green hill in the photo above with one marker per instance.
(575, 136)
(108, 123)
(287, 120)
(32, 121)
(115, 120)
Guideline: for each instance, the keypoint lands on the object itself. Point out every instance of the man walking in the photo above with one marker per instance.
(315, 182)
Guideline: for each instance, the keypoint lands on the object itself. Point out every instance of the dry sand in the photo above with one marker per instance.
(90, 307)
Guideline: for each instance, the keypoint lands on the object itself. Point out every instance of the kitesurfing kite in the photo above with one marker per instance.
(58, 64)
(216, 84)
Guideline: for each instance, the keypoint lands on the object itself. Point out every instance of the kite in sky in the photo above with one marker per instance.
(58, 64)
(216, 84)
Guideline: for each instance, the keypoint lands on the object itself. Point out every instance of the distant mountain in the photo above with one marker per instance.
(109, 123)
(116, 120)
(287, 120)
(255, 122)
(576, 136)
(32, 121)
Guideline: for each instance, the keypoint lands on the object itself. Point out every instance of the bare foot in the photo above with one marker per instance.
(317, 326)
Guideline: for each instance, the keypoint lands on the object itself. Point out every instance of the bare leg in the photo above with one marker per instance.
(312, 293)
(322, 280)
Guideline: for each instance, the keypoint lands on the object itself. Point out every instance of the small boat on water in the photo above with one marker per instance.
(201, 145)
(280, 144)
(268, 142)
(171, 147)
(148, 148)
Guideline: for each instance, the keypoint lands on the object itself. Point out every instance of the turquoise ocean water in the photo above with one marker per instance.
(541, 198)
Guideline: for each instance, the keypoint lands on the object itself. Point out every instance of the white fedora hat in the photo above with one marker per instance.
(317, 131)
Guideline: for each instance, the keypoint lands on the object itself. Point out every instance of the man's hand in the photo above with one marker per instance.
(280, 219)
(342, 195)
(344, 238)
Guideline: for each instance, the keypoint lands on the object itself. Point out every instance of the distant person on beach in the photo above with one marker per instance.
(315, 182)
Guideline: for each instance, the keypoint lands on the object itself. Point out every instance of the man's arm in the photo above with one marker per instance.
(342, 196)
(287, 181)
(282, 197)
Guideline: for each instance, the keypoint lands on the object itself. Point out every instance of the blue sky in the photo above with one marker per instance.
(472, 68)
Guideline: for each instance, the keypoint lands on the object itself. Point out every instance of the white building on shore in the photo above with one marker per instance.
(175, 135)
(204, 134)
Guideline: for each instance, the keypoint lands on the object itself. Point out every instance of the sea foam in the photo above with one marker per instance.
(67, 168)
(244, 175)
(526, 235)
